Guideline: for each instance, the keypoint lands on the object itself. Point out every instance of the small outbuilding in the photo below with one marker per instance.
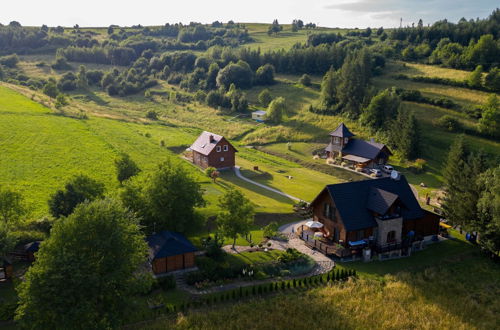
(259, 115)
(30, 249)
(6, 269)
(169, 251)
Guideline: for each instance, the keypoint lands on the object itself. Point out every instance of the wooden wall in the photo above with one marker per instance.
(168, 264)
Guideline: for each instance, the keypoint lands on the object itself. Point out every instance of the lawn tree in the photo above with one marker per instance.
(490, 120)
(82, 81)
(77, 190)
(125, 168)
(265, 97)
(271, 229)
(382, 108)
(276, 110)
(212, 173)
(354, 77)
(12, 206)
(404, 134)
(475, 78)
(50, 88)
(274, 28)
(166, 200)
(457, 176)
(328, 96)
(236, 216)
(86, 271)
(487, 222)
(492, 80)
(265, 75)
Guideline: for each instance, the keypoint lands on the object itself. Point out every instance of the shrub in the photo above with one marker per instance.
(305, 80)
(167, 282)
(265, 97)
(7, 311)
(271, 229)
(194, 277)
(449, 123)
(151, 114)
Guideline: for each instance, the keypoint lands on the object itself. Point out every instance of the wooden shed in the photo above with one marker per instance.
(6, 269)
(170, 251)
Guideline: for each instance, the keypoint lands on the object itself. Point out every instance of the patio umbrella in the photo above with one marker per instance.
(314, 224)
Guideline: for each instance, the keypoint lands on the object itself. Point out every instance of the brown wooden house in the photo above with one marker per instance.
(212, 150)
(377, 212)
(359, 152)
(170, 251)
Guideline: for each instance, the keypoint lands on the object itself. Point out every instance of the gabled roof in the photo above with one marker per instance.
(32, 247)
(352, 200)
(361, 148)
(168, 243)
(204, 144)
(342, 131)
(259, 112)
(380, 201)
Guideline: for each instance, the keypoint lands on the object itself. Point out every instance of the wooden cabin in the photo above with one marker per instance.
(212, 150)
(170, 251)
(380, 212)
(355, 151)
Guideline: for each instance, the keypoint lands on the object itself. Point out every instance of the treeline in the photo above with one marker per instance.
(15, 38)
(463, 45)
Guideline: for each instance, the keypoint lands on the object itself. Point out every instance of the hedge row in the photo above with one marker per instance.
(262, 289)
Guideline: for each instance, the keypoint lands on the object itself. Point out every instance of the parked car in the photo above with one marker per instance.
(376, 172)
(387, 169)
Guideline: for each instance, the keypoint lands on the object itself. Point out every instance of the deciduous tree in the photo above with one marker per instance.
(80, 188)
(86, 271)
(236, 216)
(125, 167)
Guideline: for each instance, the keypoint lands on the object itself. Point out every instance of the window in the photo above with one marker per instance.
(226, 147)
(336, 140)
(222, 159)
(329, 211)
(391, 236)
(218, 148)
(346, 140)
(360, 234)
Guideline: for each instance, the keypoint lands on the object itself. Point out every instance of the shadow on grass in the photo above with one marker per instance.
(231, 177)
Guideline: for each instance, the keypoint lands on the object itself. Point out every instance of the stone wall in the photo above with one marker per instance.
(385, 226)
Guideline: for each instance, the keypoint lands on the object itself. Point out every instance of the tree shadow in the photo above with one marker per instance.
(233, 179)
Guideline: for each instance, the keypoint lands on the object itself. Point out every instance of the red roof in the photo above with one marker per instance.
(206, 142)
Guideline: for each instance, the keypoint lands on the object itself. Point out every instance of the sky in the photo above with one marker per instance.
(330, 13)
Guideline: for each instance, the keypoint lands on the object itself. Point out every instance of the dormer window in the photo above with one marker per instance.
(336, 140)
(226, 147)
(346, 140)
(218, 148)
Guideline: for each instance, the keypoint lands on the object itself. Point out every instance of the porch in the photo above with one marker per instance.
(322, 244)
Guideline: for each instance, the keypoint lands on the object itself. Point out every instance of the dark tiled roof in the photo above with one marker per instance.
(342, 131)
(168, 243)
(365, 149)
(351, 200)
(380, 201)
(32, 247)
(204, 145)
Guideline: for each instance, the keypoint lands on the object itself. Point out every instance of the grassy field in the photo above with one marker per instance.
(448, 285)
(41, 150)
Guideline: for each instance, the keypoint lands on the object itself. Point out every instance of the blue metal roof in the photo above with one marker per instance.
(168, 243)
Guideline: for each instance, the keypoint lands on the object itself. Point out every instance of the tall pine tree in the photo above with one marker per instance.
(405, 134)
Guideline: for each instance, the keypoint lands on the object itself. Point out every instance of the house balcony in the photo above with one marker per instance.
(388, 216)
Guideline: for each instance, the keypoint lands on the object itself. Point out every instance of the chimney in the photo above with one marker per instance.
(372, 140)
(211, 138)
